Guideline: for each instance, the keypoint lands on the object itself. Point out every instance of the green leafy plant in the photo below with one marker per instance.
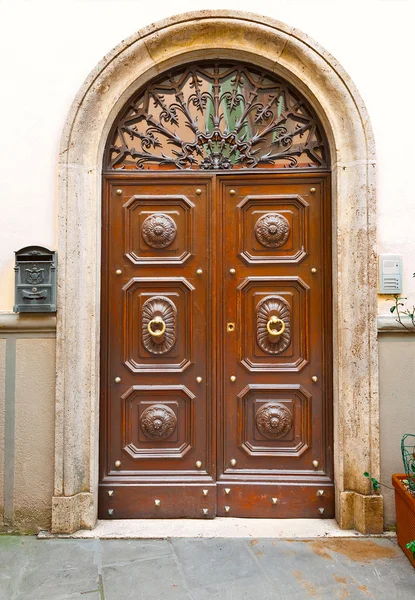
(375, 483)
(411, 547)
(399, 309)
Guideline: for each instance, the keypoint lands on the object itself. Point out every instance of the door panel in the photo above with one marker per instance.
(216, 300)
(156, 446)
(275, 415)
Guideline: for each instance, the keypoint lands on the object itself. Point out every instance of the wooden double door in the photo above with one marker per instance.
(216, 346)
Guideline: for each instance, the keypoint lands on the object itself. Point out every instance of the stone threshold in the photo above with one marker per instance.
(221, 527)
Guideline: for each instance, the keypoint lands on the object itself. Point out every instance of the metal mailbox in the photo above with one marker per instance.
(35, 280)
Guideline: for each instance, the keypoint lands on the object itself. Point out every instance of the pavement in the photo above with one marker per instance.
(204, 569)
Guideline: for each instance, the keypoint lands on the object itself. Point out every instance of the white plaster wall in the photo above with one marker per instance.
(48, 49)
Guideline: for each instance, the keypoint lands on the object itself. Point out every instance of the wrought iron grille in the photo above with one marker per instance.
(217, 116)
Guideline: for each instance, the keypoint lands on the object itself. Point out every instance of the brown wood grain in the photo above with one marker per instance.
(212, 220)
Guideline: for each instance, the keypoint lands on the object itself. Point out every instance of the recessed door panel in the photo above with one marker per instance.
(159, 229)
(273, 228)
(273, 323)
(158, 316)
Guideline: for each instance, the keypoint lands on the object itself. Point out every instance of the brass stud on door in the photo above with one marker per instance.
(118, 272)
(117, 380)
(314, 379)
(315, 464)
(157, 502)
(233, 462)
(227, 508)
(321, 510)
(198, 464)
(313, 190)
(232, 378)
(227, 491)
(199, 379)
(314, 270)
(110, 492)
(232, 271)
(198, 191)
(117, 463)
(205, 492)
(111, 512)
(274, 500)
(205, 511)
(119, 192)
(232, 192)
(199, 272)
(320, 492)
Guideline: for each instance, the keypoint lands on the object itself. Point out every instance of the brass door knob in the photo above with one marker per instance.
(273, 321)
(157, 332)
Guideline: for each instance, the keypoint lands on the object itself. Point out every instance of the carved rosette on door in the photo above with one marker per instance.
(158, 422)
(273, 324)
(159, 325)
(159, 230)
(273, 420)
(272, 230)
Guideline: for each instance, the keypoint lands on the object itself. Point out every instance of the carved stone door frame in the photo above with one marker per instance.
(274, 46)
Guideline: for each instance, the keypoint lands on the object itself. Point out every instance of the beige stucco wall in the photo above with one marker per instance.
(34, 431)
(2, 409)
(397, 406)
(27, 417)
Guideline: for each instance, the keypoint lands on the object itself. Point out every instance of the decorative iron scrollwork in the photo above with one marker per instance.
(273, 324)
(272, 230)
(159, 324)
(217, 115)
(159, 230)
(158, 422)
(273, 420)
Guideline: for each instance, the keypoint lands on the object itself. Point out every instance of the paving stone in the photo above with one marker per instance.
(295, 567)
(127, 551)
(204, 569)
(153, 579)
(254, 588)
(215, 561)
(56, 569)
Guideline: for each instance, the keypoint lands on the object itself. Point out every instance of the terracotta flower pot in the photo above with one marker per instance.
(405, 515)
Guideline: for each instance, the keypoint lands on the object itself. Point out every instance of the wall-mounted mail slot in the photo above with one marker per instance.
(35, 280)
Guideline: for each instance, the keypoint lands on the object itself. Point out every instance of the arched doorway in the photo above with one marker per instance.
(216, 347)
(273, 46)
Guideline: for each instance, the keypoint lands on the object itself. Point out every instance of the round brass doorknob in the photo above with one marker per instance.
(157, 332)
(273, 321)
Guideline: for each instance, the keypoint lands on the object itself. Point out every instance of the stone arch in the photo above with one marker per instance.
(293, 55)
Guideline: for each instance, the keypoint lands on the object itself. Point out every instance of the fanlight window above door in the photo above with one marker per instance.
(217, 116)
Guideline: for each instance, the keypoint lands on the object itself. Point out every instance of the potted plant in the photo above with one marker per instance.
(405, 499)
(404, 485)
